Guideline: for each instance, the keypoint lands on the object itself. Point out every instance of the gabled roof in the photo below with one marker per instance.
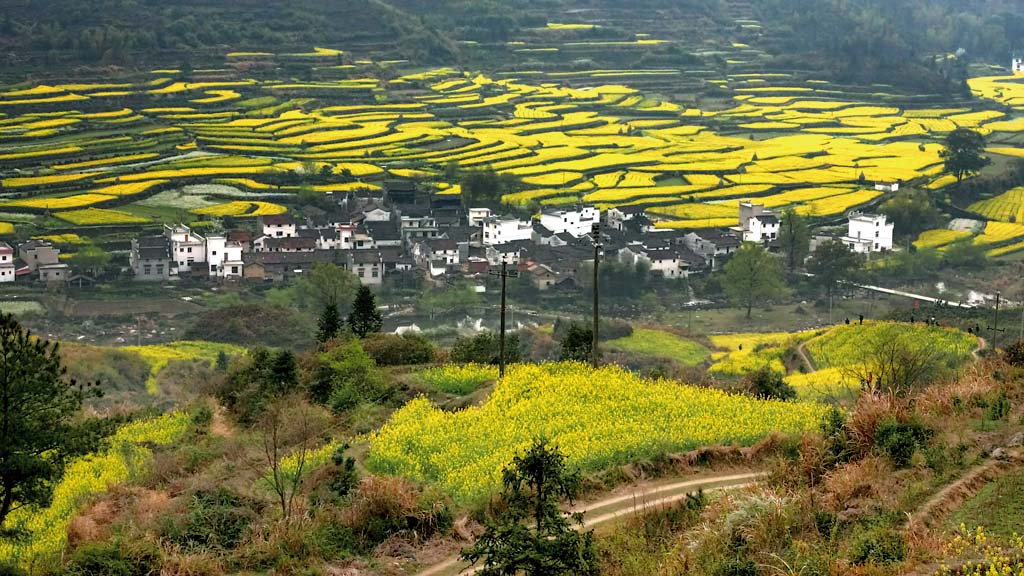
(383, 230)
(292, 243)
(277, 220)
(442, 244)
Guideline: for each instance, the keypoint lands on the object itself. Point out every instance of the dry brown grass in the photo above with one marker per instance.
(861, 487)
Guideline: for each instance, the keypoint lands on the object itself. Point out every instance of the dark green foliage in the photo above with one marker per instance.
(256, 379)
(577, 344)
(365, 318)
(881, 546)
(254, 324)
(484, 349)
(831, 263)
(736, 567)
(1014, 354)
(966, 255)
(767, 383)
(532, 534)
(344, 477)
(114, 558)
(38, 408)
(899, 440)
(119, 371)
(837, 436)
(794, 238)
(911, 212)
(963, 153)
(999, 408)
(329, 325)
(485, 187)
(395, 350)
(752, 275)
(608, 328)
(344, 376)
(222, 363)
(11, 570)
(216, 519)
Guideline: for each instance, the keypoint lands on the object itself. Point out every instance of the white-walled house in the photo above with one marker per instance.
(7, 269)
(224, 257)
(187, 247)
(477, 216)
(868, 233)
(757, 224)
(498, 230)
(1017, 65)
(884, 186)
(278, 226)
(579, 223)
(617, 217)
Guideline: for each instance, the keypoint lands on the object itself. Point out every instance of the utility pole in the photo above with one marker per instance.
(504, 274)
(596, 232)
(995, 326)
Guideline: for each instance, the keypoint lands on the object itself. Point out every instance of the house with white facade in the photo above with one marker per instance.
(498, 230)
(579, 223)
(477, 216)
(757, 224)
(1017, 65)
(277, 226)
(7, 269)
(187, 248)
(619, 216)
(886, 186)
(868, 233)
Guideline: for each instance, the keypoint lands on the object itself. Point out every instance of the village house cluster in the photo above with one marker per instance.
(375, 234)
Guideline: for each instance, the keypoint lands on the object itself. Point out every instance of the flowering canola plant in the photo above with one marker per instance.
(123, 458)
(597, 417)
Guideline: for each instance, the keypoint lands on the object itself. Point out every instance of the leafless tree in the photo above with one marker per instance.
(288, 433)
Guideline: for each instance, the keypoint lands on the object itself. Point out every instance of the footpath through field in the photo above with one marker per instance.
(634, 500)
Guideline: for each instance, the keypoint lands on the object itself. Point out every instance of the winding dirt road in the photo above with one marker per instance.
(623, 504)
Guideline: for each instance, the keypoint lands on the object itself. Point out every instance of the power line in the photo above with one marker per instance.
(505, 274)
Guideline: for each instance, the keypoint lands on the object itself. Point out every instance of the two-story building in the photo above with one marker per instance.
(7, 268)
(188, 249)
(498, 230)
(868, 233)
(579, 222)
(757, 224)
(277, 226)
(150, 258)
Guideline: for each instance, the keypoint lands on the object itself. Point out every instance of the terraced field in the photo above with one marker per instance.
(80, 155)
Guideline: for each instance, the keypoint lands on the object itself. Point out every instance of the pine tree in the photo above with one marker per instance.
(365, 319)
(38, 411)
(532, 535)
(329, 324)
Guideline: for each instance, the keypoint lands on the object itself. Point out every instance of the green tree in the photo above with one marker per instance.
(484, 348)
(91, 259)
(38, 408)
(577, 344)
(532, 535)
(965, 254)
(795, 238)
(911, 212)
(831, 263)
(365, 319)
(963, 153)
(753, 275)
(329, 324)
(284, 372)
(325, 284)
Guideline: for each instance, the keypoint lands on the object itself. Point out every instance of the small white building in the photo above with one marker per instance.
(1017, 65)
(887, 186)
(224, 257)
(868, 233)
(617, 217)
(498, 230)
(187, 247)
(477, 216)
(757, 224)
(579, 223)
(7, 270)
(277, 226)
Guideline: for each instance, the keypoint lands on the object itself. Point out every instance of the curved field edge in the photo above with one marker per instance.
(598, 418)
(125, 456)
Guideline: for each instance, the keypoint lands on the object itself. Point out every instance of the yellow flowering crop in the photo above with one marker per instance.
(1007, 207)
(935, 238)
(76, 201)
(99, 217)
(242, 208)
(458, 378)
(598, 418)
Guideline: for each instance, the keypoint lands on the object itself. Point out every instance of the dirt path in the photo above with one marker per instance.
(805, 357)
(630, 501)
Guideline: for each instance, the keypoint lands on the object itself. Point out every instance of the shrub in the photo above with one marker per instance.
(767, 383)
(899, 440)
(394, 350)
(216, 519)
(11, 570)
(115, 559)
(484, 349)
(345, 376)
(736, 567)
(999, 409)
(383, 507)
(1014, 354)
(879, 546)
(344, 477)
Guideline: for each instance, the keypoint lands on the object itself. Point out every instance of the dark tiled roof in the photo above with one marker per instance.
(383, 230)
(154, 248)
(277, 220)
(293, 243)
(442, 244)
(365, 256)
